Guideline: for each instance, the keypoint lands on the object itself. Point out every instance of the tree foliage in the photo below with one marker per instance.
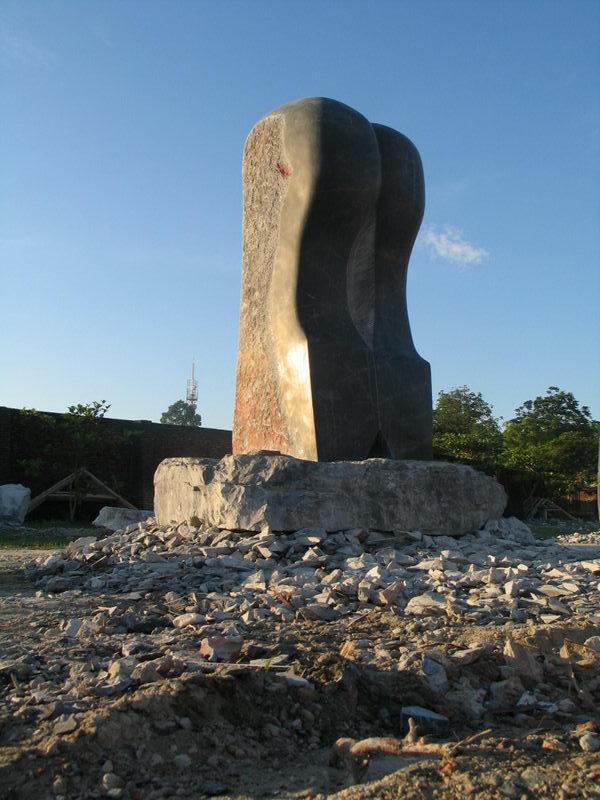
(94, 410)
(556, 437)
(465, 429)
(551, 437)
(181, 413)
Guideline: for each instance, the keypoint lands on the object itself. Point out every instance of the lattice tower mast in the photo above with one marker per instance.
(191, 397)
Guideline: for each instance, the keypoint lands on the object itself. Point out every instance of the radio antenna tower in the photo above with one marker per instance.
(191, 397)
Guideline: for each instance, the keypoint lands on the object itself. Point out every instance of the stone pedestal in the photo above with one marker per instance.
(247, 492)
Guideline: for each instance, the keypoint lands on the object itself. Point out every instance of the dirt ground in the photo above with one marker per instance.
(242, 731)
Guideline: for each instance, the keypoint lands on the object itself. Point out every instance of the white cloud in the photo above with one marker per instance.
(449, 244)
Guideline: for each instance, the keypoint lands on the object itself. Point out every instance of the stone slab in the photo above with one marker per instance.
(115, 518)
(247, 492)
(14, 502)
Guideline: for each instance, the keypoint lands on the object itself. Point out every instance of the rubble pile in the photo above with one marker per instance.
(239, 578)
(199, 593)
(169, 657)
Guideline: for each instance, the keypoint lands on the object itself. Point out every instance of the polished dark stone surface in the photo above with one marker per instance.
(327, 368)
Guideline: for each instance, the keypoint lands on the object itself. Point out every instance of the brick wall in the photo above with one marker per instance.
(5, 431)
(127, 466)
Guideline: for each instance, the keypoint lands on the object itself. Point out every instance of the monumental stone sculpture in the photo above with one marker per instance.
(327, 369)
(327, 374)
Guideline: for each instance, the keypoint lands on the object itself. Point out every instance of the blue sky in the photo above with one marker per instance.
(120, 194)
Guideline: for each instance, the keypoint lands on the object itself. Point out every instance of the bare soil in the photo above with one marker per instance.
(247, 733)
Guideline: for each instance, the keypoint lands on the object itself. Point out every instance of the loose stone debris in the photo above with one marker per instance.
(193, 662)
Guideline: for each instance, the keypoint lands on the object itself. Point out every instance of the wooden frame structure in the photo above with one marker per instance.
(63, 490)
(541, 507)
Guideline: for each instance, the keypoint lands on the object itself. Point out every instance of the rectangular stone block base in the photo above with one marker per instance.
(247, 492)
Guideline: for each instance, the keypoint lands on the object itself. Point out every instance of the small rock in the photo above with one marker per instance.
(435, 676)
(318, 611)
(221, 648)
(81, 545)
(183, 620)
(467, 700)
(389, 595)
(554, 744)
(182, 761)
(146, 673)
(423, 603)
(53, 561)
(593, 642)
(297, 682)
(59, 785)
(58, 584)
(112, 781)
(466, 657)
(65, 724)
(506, 694)
(549, 590)
(133, 648)
(567, 706)
(351, 650)
(589, 742)
(522, 662)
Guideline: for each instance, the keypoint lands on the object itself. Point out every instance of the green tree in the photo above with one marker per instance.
(465, 429)
(80, 425)
(94, 410)
(555, 437)
(78, 432)
(181, 413)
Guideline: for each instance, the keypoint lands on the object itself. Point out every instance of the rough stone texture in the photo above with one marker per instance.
(327, 369)
(247, 492)
(14, 502)
(114, 518)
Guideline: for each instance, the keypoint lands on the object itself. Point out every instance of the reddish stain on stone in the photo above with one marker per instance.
(284, 169)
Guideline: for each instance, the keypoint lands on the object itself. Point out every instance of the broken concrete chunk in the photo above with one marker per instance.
(591, 566)
(590, 743)
(425, 603)
(466, 700)
(435, 676)
(318, 611)
(550, 590)
(81, 545)
(72, 627)
(468, 656)
(221, 648)
(390, 594)
(117, 519)
(593, 642)
(523, 663)
(147, 673)
(505, 694)
(183, 620)
(65, 724)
